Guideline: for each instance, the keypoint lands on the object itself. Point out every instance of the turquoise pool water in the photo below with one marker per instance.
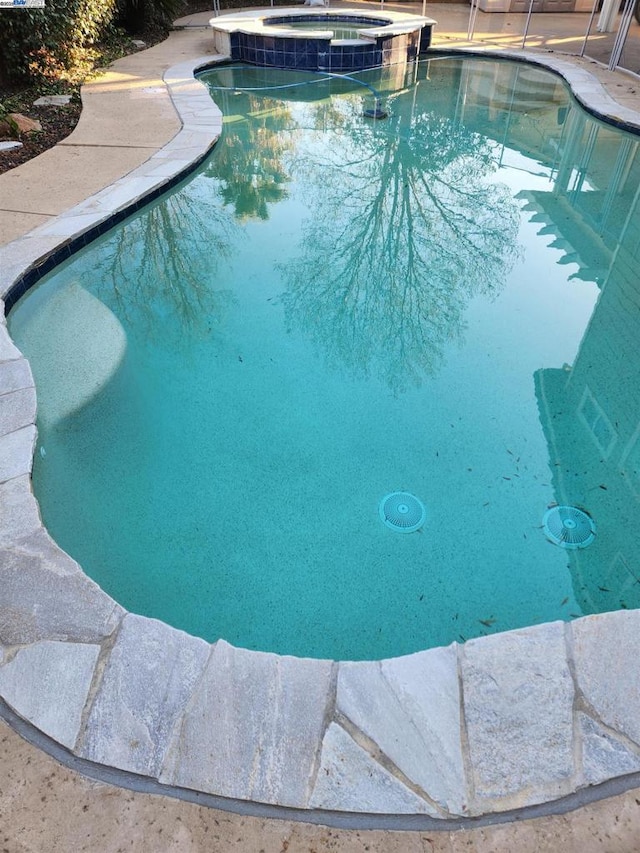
(339, 30)
(332, 309)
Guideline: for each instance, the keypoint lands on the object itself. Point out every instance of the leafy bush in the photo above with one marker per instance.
(5, 118)
(54, 43)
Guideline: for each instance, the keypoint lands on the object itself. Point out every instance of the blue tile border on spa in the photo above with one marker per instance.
(543, 717)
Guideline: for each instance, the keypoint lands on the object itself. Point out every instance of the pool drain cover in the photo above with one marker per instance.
(402, 512)
(569, 527)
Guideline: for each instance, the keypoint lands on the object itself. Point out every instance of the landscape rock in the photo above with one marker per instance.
(25, 124)
(52, 101)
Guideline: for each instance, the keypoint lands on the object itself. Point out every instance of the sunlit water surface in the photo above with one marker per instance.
(332, 309)
(339, 29)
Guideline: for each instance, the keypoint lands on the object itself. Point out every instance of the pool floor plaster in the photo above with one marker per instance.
(498, 724)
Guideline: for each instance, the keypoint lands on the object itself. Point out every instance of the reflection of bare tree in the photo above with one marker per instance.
(155, 269)
(248, 162)
(405, 231)
(155, 272)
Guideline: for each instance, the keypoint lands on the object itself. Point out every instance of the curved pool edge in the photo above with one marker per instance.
(586, 89)
(512, 721)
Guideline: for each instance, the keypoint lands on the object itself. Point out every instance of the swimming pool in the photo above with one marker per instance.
(475, 729)
(455, 391)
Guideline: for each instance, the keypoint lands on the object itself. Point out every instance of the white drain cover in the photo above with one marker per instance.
(402, 512)
(569, 527)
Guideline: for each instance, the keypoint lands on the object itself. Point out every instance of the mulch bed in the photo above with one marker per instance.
(57, 123)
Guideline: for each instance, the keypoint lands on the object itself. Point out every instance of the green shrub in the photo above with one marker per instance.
(54, 43)
(5, 118)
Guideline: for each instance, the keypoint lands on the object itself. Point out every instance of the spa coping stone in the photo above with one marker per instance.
(499, 723)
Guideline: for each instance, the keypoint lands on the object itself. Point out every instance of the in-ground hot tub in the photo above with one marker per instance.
(277, 38)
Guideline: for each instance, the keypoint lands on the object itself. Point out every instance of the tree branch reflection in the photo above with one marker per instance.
(248, 163)
(393, 255)
(154, 273)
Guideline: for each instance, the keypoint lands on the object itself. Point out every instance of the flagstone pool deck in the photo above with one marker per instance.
(547, 716)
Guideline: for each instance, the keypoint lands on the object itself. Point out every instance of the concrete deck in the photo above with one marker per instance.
(500, 723)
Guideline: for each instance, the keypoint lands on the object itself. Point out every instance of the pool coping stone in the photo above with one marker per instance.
(499, 723)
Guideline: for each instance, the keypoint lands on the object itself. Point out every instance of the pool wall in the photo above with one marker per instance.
(262, 38)
(316, 54)
(543, 715)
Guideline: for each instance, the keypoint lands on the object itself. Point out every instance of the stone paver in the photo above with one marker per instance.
(410, 708)
(253, 728)
(604, 647)
(45, 596)
(8, 350)
(146, 686)
(350, 779)
(603, 755)
(16, 452)
(19, 514)
(518, 706)
(14, 375)
(49, 682)
(16, 409)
